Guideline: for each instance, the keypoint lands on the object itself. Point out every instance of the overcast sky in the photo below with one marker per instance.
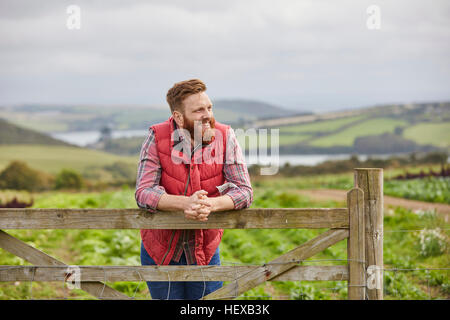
(305, 55)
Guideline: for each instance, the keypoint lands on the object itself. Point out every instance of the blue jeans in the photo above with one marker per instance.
(184, 290)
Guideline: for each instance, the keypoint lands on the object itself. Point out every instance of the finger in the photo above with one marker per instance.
(191, 217)
(195, 207)
(196, 213)
(203, 214)
(190, 214)
(205, 205)
(204, 210)
(194, 216)
(201, 193)
(202, 217)
(203, 202)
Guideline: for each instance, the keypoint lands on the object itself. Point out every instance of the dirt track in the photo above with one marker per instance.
(341, 195)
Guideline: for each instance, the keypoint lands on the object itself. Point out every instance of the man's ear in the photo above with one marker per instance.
(178, 117)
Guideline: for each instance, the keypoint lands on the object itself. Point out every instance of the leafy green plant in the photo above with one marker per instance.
(239, 247)
(432, 189)
(432, 242)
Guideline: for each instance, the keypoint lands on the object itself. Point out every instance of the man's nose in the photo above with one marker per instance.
(207, 115)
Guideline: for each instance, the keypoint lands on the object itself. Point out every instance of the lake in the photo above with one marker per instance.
(83, 138)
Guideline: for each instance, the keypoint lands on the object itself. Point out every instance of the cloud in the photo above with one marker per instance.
(301, 54)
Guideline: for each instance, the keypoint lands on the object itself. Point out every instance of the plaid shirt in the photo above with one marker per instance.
(148, 191)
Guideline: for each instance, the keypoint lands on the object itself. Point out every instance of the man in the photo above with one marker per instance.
(193, 164)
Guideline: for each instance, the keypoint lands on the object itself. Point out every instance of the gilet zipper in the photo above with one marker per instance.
(173, 231)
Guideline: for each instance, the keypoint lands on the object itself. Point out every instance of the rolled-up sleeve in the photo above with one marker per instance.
(237, 179)
(148, 191)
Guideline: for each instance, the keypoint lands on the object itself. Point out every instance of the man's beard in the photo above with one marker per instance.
(208, 132)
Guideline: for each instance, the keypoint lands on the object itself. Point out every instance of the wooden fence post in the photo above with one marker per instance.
(370, 180)
(355, 246)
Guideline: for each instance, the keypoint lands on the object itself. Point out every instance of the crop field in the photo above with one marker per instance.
(416, 245)
(428, 189)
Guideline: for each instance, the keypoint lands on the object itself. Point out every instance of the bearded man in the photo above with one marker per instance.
(191, 164)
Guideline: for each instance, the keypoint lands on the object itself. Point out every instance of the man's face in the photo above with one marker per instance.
(198, 115)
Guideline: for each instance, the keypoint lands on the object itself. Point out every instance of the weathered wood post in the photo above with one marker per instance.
(355, 245)
(370, 180)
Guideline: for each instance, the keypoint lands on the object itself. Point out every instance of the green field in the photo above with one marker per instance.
(344, 131)
(52, 159)
(404, 248)
(369, 127)
(252, 139)
(422, 123)
(320, 126)
(437, 134)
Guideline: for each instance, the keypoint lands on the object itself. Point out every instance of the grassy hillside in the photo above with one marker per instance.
(52, 159)
(347, 136)
(331, 136)
(12, 134)
(247, 110)
(51, 118)
(405, 128)
(319, 126)
(433, 133)
(381, 129)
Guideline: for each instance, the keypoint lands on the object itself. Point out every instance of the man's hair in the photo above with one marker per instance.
(182, 90)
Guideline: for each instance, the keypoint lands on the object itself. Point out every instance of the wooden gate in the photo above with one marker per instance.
(361, 223)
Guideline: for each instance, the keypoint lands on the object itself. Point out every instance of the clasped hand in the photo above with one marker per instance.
(199, 206)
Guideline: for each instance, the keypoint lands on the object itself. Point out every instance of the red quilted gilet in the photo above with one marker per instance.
(207, 175)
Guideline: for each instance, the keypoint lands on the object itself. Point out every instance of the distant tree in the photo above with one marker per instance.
(398, 131)
(19, 176)
(121, 170)
(435, 157)
(384, 143)
(105, 133)
(68, 179)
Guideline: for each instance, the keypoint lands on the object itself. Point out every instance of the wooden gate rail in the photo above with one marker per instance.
(361, 223)
(159, 273)
(141, 219)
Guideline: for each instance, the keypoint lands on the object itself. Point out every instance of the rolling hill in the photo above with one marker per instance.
(375, 130)
(60, 118)
(12, 134)
(52, 158)
(404, 128)
(420, 127)
(49, 155)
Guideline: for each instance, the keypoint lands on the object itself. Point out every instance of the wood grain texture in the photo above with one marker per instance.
(37, 257)
(141, 219)
(279, 265)
(355, 245)
(371, 182)
(163, 273)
